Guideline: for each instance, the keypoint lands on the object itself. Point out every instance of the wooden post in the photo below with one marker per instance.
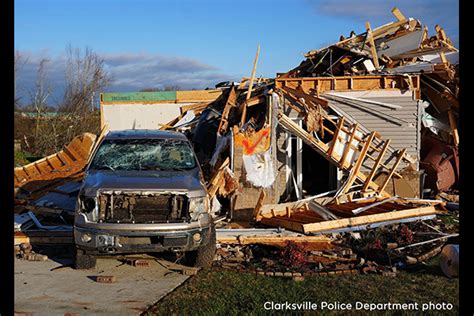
(454, 128)
(373, 50)
(376, 165)
(398, 14)
(359, 162)
(394, 168)
(223, 124)
(249, 91)
(348, 146)
(336, 136)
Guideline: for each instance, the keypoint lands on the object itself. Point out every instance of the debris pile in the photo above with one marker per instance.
(358, 140)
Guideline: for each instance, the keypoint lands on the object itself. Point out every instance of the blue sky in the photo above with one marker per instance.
(195, 44)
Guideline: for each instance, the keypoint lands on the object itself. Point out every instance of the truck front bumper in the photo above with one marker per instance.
(94, 240)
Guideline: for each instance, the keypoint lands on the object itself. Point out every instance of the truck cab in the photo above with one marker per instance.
(143, 192)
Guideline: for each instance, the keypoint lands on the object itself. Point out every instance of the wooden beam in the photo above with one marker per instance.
(369, 219)
(321, 147)
(373, 49)
(358, 164)
(396, 12)
(454, 127)
(394, 168)
(335, 139)
(349, 144)
(376, 165)
(249, 91)
(285, 223)
(270, 240)
(223, 124)
(258, 206)
(303, 94)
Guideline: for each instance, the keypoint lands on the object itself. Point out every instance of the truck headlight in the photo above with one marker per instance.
(87, 204)
(198, 206)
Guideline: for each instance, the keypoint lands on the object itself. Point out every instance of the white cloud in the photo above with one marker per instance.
(429, 12)
(130, 72)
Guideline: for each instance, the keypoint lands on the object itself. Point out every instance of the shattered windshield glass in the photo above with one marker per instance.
(144, 154)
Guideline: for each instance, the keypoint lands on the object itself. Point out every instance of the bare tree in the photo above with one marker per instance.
(40, 94)
(19, 61)
(85, 77)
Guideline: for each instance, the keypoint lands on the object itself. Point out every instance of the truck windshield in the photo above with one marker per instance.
(143, 154)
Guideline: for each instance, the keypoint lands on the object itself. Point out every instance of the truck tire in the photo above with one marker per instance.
(82, 260)
(204, 256)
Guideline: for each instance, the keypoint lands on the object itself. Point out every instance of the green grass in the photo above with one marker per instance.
(215, 291)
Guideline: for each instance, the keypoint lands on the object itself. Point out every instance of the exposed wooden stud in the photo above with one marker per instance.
(358, 164)
(376, 165)
(249, 91)
(373, 49)
(396, 12)
(258, 206)
(336, 136)
(454, 127)
(368, 219)
(223, 124)
(394, 168)
(348, 145)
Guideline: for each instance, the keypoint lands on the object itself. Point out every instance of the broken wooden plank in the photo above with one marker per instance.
(282, 222)
(454, 127)
(368, 219)
(249, 91)
(217, 178)
(271, 240)
(258, 206)
(376, 165)
(373, 49)
(427, 242)
(365, 208)
(396, 12)
(356, 168)
(304, 95)
(224, 123)
(394, 168)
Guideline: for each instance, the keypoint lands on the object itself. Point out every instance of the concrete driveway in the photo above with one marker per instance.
(40, 289)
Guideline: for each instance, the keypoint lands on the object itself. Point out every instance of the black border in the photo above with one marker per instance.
(7, 161)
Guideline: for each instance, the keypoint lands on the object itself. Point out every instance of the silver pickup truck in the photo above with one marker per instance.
(143, 192)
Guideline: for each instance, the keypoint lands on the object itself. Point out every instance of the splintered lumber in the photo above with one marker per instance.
(218, 179)
(365, 208)
(65, 163)
(258, 206)
(269, 239)
(269, 210)
(396, 12)
(323, 149)
(376, 165)
(299, 94)
(427, 241)
(397, 162)
(373, 49)
(171, 123)
(197, 108)
(249, 91)
(454, 128)
(224, 123)
(367, 219)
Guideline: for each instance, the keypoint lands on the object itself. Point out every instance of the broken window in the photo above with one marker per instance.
(144, 154)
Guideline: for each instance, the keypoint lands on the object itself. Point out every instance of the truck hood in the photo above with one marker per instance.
(178, 181)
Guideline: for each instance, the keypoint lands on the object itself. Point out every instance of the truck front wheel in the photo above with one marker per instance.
(204, 256)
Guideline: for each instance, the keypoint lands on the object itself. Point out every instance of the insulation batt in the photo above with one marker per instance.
(259, 169)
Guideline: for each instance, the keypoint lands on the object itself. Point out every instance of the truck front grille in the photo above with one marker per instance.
(140, 209)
